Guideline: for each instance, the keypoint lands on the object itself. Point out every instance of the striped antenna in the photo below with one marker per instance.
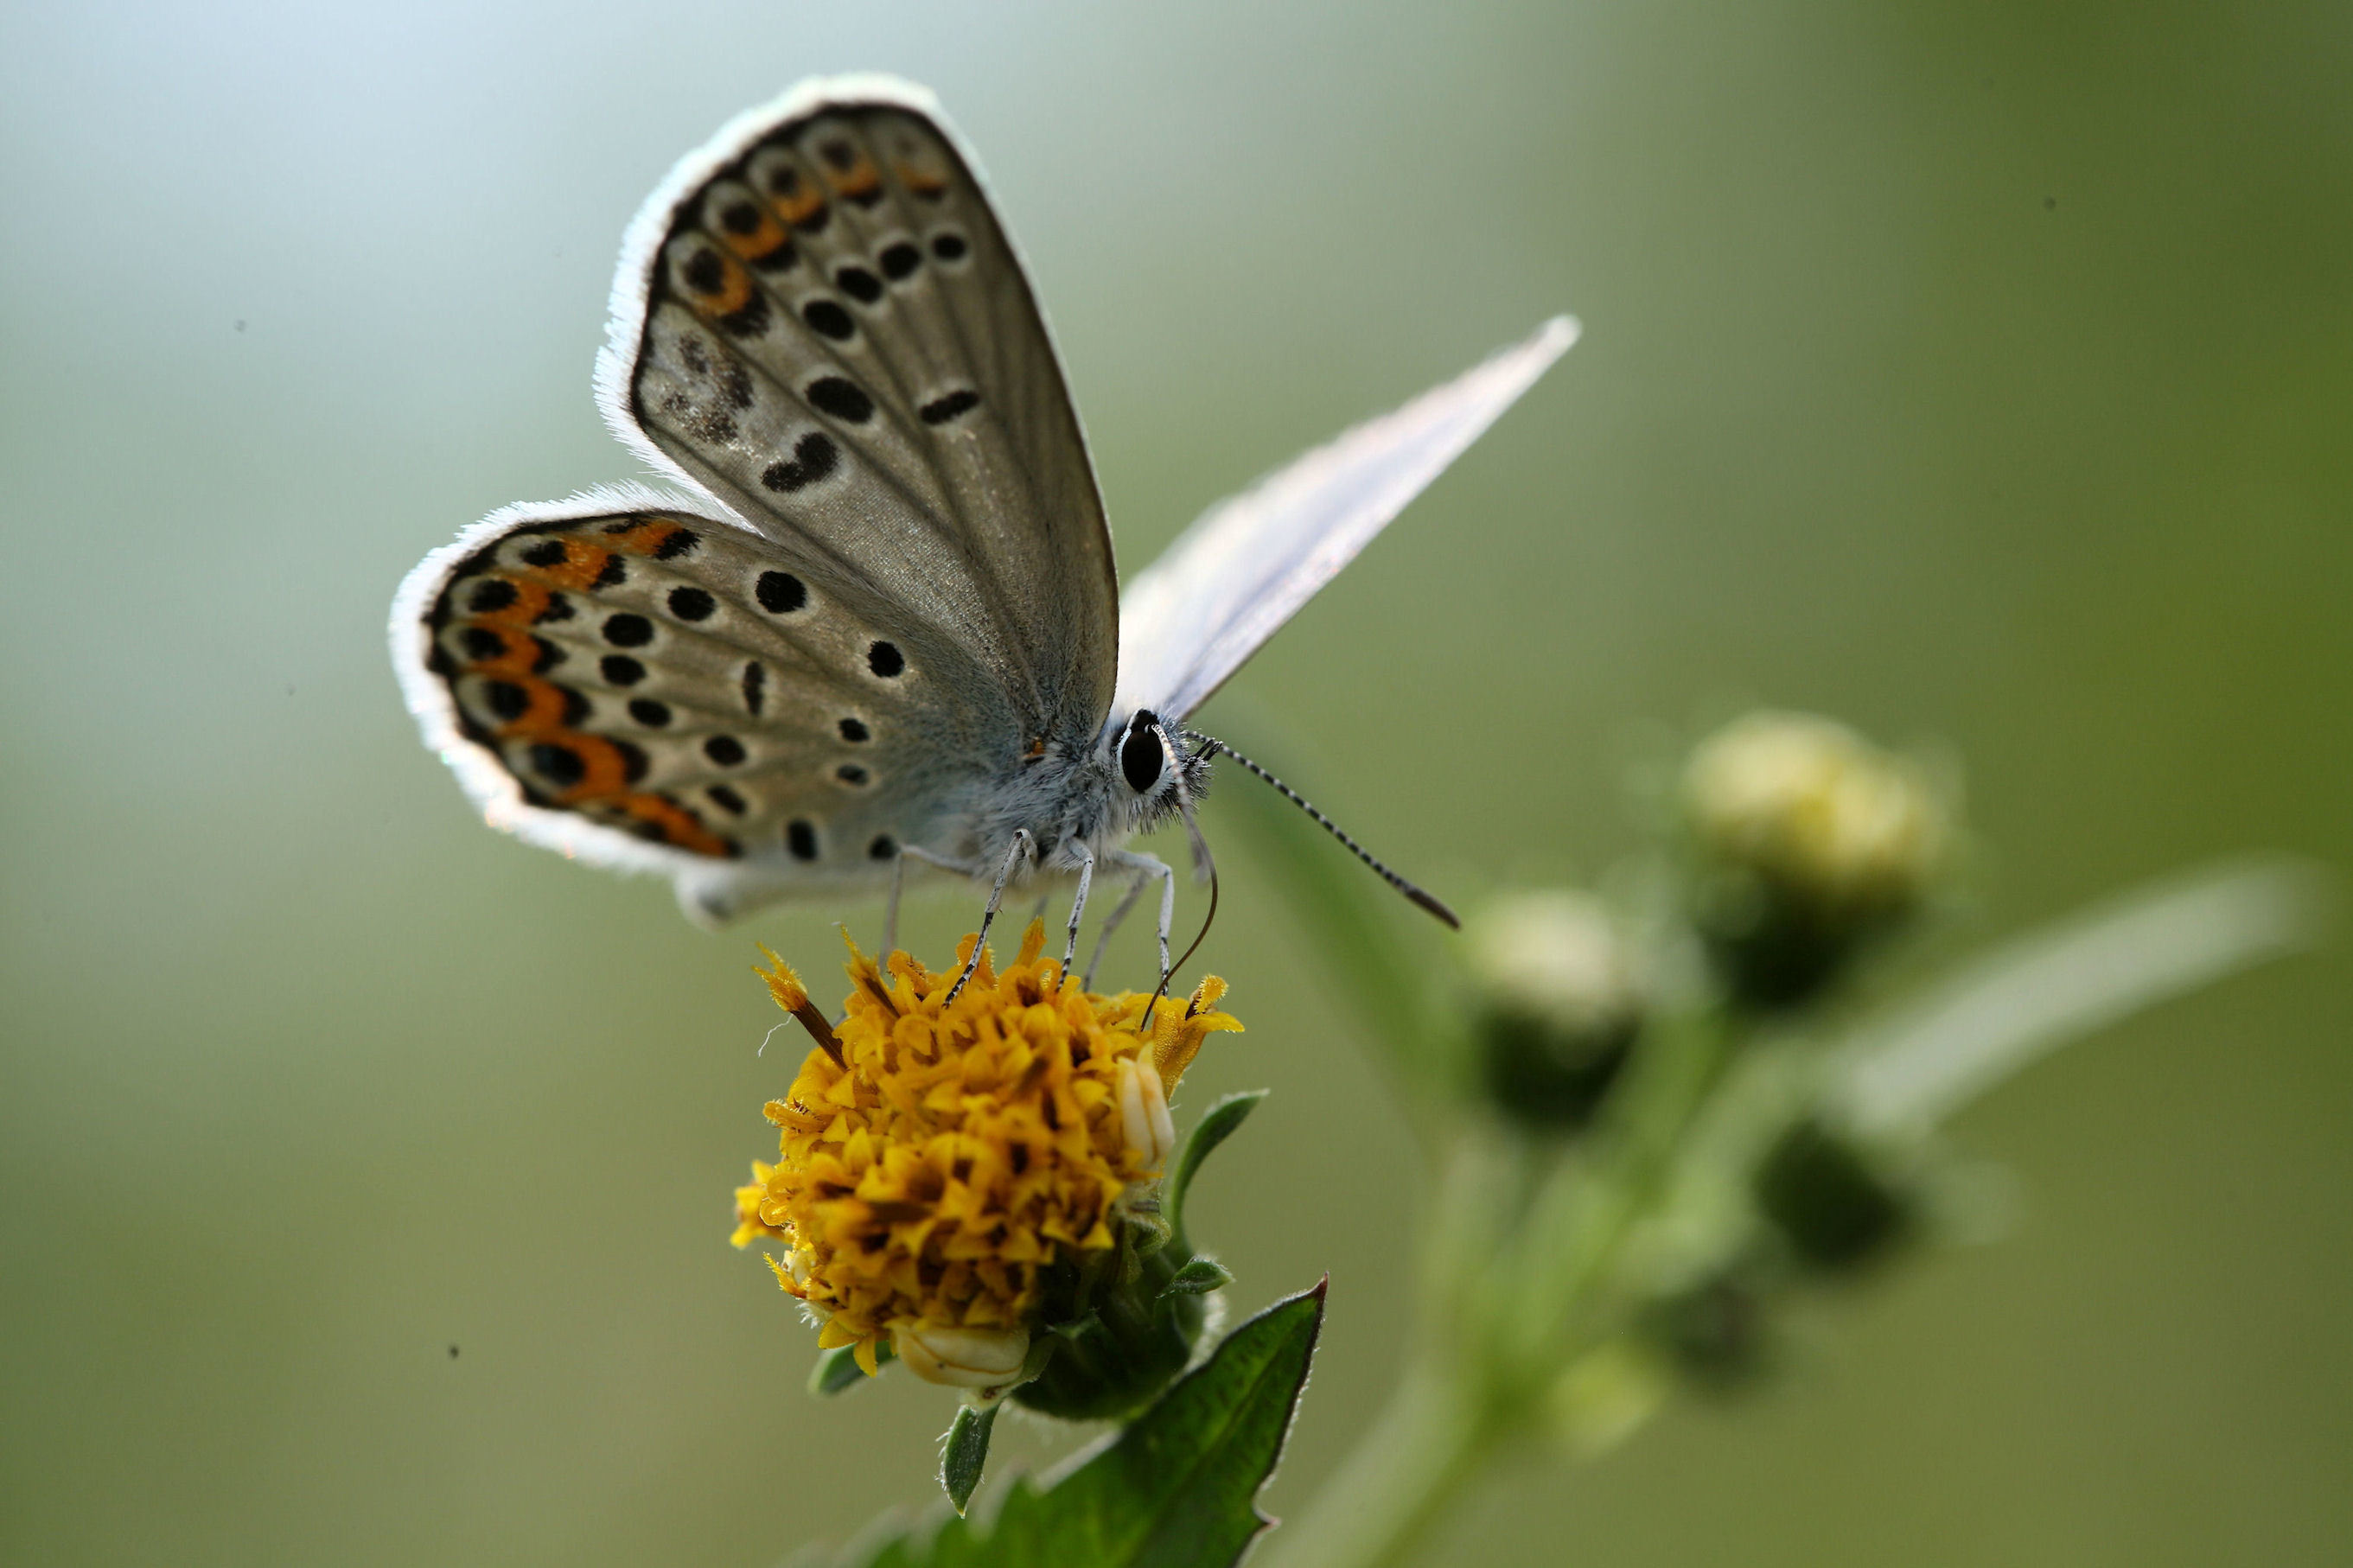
(1421, 899)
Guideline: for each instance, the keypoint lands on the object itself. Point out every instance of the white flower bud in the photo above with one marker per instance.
(1814, 808)
(963, 1358)
(1557, 958)
(1144, 1115)
(1560, 1000)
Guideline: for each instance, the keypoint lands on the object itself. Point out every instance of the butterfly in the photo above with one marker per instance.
(878, 621)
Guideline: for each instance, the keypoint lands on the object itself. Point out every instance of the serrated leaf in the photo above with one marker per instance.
(837, 1369)
(966, 1453)
(1214, 1128)
(1177, 1489)
(1198, 1278)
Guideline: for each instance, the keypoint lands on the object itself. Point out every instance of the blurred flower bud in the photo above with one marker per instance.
(1559, 1002)
(1716, 1331)
(1835, 1201)
(1809, 839)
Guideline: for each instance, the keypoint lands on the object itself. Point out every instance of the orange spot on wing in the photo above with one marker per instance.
(545, 717)
(647, 538)
(921, 180)
(735, 291)
(760, 243)
(861, 181)
(681, 827)
(512, 662)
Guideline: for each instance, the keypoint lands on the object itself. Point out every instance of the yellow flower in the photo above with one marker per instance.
(749, 1227)
(951, 1153)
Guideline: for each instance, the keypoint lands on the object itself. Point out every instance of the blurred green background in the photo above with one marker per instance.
(1981, 373)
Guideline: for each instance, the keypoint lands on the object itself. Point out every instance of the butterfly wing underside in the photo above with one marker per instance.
(1246, 566)
(906, 582)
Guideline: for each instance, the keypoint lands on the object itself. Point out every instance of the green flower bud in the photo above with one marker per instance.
(1809, 840)
(1833, 1201)
(1558, 1004)
(1715, 1332)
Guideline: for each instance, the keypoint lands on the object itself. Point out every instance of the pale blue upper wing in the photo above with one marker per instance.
(1193, 616)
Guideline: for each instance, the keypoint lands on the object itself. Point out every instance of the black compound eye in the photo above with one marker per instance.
(1139, 755)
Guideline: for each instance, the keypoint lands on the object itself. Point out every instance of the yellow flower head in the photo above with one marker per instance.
(954, 1151)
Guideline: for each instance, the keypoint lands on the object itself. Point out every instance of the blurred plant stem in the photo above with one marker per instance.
(1508, 1309)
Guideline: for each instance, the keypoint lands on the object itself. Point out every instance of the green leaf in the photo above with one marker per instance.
(1177, 1489)
(837, 1368)
(966, 1453)
(1215, 1127)
(1198, 1278)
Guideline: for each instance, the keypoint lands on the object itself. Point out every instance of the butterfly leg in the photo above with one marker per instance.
(1079, 904)
(898, 883)
(1145, 868)
(1136, 886)
(1013, 853)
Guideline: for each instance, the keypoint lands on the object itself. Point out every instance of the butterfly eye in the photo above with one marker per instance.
(1139, 755)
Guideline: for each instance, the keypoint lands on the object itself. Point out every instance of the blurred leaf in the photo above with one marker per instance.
(1214, 1128)
(837, 1368)
(2037, 993)
(1177, 1489)
(966, 1453)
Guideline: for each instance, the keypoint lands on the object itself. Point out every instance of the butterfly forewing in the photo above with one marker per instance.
(839, 342)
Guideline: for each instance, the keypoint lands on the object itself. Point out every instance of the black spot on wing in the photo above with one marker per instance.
(780, 592)
(506, 700)
(547, 553)
(801, 839)
(494, 593)
(854, 731)
(942, 409)
(628, 629)
(614, 574)
(558, 608)
(885, 659)
(725, 797)
(649, 712)
(755, 683)
(899, 260)
(949, 246)
(705, 274)
(679, 541)
(858, 284)
(692, 605)
(851, 773)
(558, 763)
(814, 457)
(828, 319)
(724, 749)
(842, 398)
(621, 670)
(883, 848)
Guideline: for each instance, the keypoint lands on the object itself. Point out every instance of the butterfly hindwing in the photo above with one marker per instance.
(660, 689)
